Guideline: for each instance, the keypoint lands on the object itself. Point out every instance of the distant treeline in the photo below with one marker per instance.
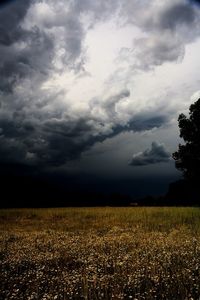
(27, 191)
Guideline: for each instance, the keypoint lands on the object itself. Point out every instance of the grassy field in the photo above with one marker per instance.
(100, 253)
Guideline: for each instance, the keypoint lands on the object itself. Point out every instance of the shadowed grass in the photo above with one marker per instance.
(100, 253)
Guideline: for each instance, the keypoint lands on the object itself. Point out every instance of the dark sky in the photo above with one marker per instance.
(90, 91)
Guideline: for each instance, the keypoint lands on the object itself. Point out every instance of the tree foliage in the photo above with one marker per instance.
(187, 158)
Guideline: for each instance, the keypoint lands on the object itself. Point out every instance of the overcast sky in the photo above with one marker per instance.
(94, 88)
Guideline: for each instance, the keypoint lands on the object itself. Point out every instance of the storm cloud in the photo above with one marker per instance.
(156, 154)
(44, 57)
(37, 135)
(166, 28)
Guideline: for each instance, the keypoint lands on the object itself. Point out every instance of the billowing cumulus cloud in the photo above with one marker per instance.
(167, 28)
(40, 135)
(179, 14)
(56, 101)
(156, 154)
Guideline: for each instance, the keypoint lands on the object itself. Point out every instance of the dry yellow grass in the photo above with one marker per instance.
(100, 253)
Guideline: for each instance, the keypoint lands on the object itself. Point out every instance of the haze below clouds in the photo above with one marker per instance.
(94, 88)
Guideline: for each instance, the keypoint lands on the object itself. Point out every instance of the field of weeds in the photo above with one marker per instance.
(100, 253)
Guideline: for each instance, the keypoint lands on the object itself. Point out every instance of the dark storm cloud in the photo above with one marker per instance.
(169, 29)
(28, 138)
(36, 127)
(23, 63)
(30, 131)
(180, 13)
(143, 122)
(22, 52)
(11, 15)
(3, 2)
(170, 16)
(52, 142)
(28, 51)
(195, 1)
(156, 154)
(34, 135)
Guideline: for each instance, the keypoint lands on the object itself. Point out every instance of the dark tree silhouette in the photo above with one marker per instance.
(187, 158)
